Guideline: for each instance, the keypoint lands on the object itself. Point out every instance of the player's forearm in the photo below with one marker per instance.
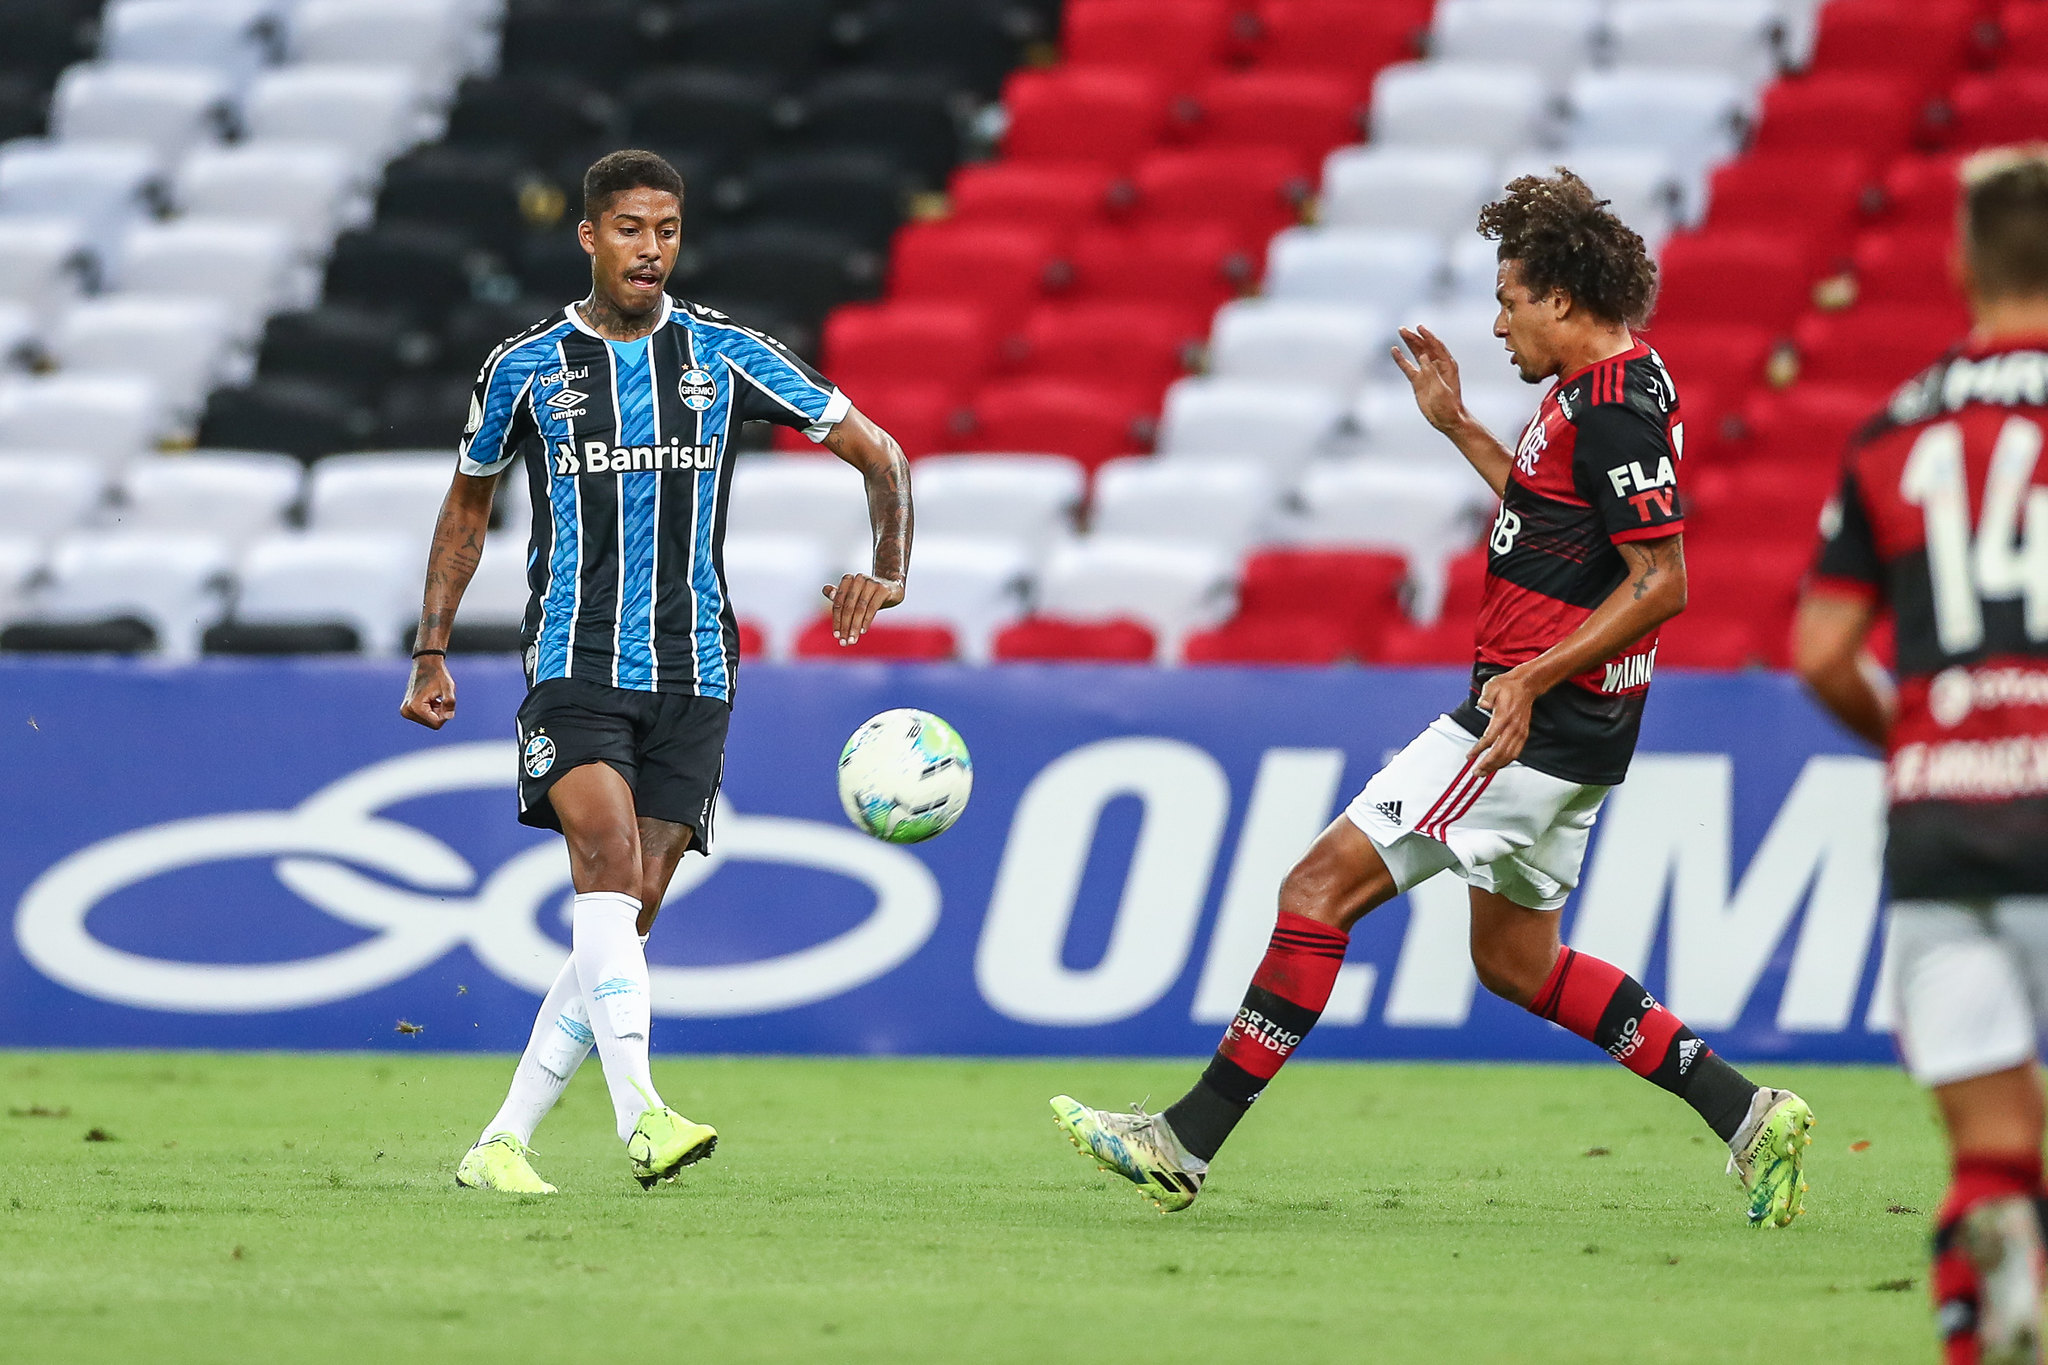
(457, 549)
(1483, 450)
(1653, 592)
(889, 512)
(1858, 695)
(1828, 655)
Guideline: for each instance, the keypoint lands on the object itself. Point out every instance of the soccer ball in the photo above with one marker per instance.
(905, 776)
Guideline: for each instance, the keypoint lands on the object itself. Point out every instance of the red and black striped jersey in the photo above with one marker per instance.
(1942, 518)
(1595, 468)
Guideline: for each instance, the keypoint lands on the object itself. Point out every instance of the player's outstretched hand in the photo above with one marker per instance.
(430, 694)
(855, 599)
(1507, 700)
(1433, 374)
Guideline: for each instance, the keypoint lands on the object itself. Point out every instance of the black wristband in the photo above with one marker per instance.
(442, 652)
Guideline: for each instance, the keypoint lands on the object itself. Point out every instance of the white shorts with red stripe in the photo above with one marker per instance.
(1516, 832)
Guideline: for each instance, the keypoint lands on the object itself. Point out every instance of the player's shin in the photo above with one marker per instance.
(560, 1041)
(1610, 1009)
(611, 968)
(1986, 1276)
(1287, 996)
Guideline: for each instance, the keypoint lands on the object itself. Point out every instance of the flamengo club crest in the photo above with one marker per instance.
(697, 389)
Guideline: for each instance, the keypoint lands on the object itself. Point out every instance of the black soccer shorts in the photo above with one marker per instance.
(669, 747)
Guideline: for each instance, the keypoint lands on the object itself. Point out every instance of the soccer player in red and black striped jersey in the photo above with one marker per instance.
(1942, 520)
(1584, 565)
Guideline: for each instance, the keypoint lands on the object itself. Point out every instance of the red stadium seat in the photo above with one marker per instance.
(1922, 191)
(1878, 344)
(1823, 111)
(1923, 41)
(1048, 639)
(1699, 639)
(1727, 357)
(939, 341)
(1109, 115)
(1306, 112)
(1340, 36)
(1057, 195)
(1352, 597)
(1200, 265)
(1799, 434)
(1450, 639)
(1758, 276)
(1821, 194)
(753, 644)
(1181, 40)
(923, 417)
(883, 642)
(2006, 106)
(1249, 639)
(1907, 265)
(1092, 423)
(2023, 36)
(1255, 191)
(1125, 342)
(1000, 265)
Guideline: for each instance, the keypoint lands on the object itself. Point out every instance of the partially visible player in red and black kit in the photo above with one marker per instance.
(1584, 564)
(1942, 520)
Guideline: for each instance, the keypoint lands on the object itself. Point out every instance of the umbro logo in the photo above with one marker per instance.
(567, 398)
(1390, 809)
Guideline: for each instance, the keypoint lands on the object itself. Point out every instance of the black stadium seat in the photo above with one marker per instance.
(478, 193)
(423, 270)
(24, 108)
(790, 38)
(694, 106)
(971, 44)
(916, 119)
(42, 37)
(344, 343)
(474, 329)
(301, 417)
(597, 39)
(423, 412)
(860, 194)
(116, 635)
(273, 638)
(538, 114)
(806, 272)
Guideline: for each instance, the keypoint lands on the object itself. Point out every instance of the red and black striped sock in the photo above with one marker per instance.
(1287, 996)
(1610, 1009)
(1953, 1280)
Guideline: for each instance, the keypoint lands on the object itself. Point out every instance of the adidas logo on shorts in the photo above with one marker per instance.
(1390, 809)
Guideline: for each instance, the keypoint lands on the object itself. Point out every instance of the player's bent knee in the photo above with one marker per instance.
(1509, 969)
(1339, 879)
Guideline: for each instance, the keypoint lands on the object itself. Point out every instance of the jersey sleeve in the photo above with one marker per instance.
(496, 405)
(1848, 561)
(1629, 471)
(773, 385)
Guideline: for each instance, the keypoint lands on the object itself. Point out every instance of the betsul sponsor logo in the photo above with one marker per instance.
(426, 899)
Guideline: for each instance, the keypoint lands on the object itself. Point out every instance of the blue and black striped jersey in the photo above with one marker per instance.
(627, 448)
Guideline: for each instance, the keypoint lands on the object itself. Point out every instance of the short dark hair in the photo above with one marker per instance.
(614, 174)
(1567, 238)
(2005, 220)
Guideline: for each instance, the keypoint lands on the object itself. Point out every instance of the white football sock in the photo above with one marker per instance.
(611, 967)
(561, 1040)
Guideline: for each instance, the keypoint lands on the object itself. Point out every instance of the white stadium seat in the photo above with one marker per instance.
(1549, 36)
(367, 582)
(971, 585)
(47, 494)
(777, 582)
(1305, 343)
(249, 268)
(179, 343)
(169, 108)
(1220, 504)
(498, 592)
(1473, 273)
(1026, 500)
(19, 330)
(1438, 189)
(1376, 268)
(20, 558)
(1695, 117)
(98, 183)
(1395, 430)
(426, 38)
(396, 494)
(44, 262)
(307, 187)
(1424, 513)
(234, 497)
(800, 495)
(1279, 425)
(1504, 409)
(1738, 37)
(1640, 183)
(372, 113)
(221, 35)
(1466, 327)
(1171, 588)
(170, 581)
(1485, 106)
(104, 417)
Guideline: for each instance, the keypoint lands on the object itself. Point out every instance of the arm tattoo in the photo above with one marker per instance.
(889, 512)
(457, 549)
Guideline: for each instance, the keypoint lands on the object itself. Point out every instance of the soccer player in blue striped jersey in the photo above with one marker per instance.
(623, 408)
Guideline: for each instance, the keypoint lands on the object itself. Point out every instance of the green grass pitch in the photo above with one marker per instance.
(292, 1208)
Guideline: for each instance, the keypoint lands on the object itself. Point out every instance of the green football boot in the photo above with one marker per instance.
(1769, 1154)
(499, 1163)
(664, 1142)
(1138, 1146)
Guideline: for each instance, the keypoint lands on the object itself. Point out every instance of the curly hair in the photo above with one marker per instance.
(612, 175)
(1566, 238)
